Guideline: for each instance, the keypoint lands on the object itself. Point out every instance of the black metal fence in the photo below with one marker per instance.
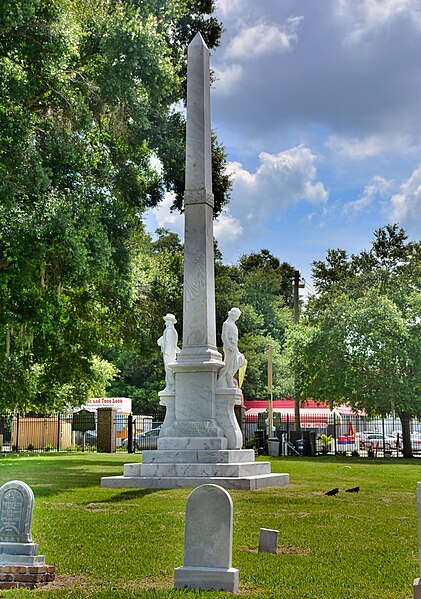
(332, 434)
(75, 432)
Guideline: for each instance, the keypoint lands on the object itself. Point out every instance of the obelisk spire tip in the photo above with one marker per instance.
(198, 40)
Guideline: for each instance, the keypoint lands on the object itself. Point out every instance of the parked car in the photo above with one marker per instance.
(375, 441)
(148, 440)
(416, 441)
(90, 438)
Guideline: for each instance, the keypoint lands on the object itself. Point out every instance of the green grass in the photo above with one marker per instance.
(126, 543)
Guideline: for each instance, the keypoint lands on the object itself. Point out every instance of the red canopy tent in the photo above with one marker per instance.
(312, 414)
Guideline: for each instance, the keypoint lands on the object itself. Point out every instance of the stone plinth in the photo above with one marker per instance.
(165, 469)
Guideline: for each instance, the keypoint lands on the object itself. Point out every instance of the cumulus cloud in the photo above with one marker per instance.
(227, 227)
(300, 72)
(378, 188)
(365, 16)
(227, 7)
(356, 148)
(263, 38)
(279, 181)
(406, 205)
(167, 219)
(228, 77)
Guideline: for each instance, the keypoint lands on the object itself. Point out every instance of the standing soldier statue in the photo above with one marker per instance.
(233, 359)
(168, 343)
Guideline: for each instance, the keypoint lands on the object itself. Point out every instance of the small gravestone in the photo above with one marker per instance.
(208, 542)
(268, 540)
(417, 581)
(20, 564)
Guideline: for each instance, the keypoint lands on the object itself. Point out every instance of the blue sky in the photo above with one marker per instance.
(318, 104)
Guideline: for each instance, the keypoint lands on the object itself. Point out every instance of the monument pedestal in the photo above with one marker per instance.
(200, 439)
(190, 468)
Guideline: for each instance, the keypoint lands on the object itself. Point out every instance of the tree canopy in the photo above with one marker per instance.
(360, 342)
(89, 138)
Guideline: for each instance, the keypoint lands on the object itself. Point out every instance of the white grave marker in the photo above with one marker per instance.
(208, 542)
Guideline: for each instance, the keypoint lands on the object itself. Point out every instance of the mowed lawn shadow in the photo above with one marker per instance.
(49, 475)
(126, 496)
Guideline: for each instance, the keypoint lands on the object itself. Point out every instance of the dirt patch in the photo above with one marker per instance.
(98, 507)
(63, 582)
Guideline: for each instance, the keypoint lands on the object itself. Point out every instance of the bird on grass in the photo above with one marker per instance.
(353, 490)
(332, 492)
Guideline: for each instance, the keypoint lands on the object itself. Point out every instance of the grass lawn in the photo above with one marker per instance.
(126, 543)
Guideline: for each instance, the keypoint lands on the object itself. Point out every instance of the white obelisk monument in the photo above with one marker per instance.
(200, 440)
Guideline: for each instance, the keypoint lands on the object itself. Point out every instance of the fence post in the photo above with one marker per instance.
(334, 432)
(384, 437)
(17, 432)
(130, 433)
(58, 432)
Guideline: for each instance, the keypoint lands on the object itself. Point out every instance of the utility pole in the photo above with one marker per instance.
(270, 389)
(298, 283)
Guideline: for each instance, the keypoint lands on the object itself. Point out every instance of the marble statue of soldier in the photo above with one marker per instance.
(168, 343)
(233, 359)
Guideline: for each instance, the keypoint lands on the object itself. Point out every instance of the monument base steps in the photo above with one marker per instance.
(246, 483)
(166, 469)
(29, 577)
(216, 579)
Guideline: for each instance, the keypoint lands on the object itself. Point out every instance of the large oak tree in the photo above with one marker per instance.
(89, 138)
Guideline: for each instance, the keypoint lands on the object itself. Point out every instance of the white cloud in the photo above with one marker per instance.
(357, 148)
(378, 188)
(227, 7)
(167, 219)
(366, 16)
(227, 227)
(280, 180)
(263, 38)
(227, 77)
(406, 205)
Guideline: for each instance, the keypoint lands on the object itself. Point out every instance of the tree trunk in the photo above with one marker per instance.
(405, 418)
(297, 416)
